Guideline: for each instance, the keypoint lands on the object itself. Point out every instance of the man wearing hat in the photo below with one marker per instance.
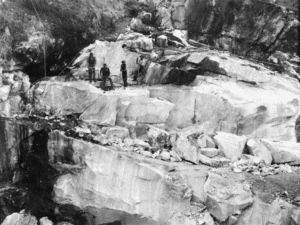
(105, 72)
(91, 64)
(124, 73)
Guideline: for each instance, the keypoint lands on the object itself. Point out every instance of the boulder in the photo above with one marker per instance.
(210, 152)
(4, 93)
(231, 145)
(206, 219)
(283, 151)
(145, 17)
(136, 41)
(258, 149)
(205, 141)
(226, 195)
(162, 41)
(45, 221)
(137, 25)
(108, 19)
(20, 219)
(296, 216)
(152, 111)
(117, 132)
(186, 149)
(11, 106)
(261, 213)
(159, 136)
(217, 161)
(165, 156)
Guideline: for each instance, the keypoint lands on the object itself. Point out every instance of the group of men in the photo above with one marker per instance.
(105, 72)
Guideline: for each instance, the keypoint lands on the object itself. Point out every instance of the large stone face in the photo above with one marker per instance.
(284, 152)
(184, 99)
(258, 149)
(247, 27)
(151, 110)
(124, 183)
(231, 145)
(110, 53)
(226, 195)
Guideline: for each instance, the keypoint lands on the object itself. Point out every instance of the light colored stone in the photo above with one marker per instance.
(283, 151)
(261, 213)
(165, 156)
(205, 141)
(162, 41)
(19, 219)
(210, 152)
(110, 53)
(186, 150)
(231, 145)
(296, 216)
(213, 162)
(129, 185)
(103, 111)
(45, 221)
(152, 111)
(184, 100)
(159, 136)
(11, 106)
(206, 219)
(137, 25)
(136, 41)
(258, 149)
(4, 93)
(226, 195)
(118, 132)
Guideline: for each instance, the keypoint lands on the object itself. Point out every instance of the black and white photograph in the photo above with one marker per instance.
(149, 112)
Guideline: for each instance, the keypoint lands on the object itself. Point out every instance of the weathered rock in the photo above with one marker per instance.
(296, 216)
(210, 152)
(217, 161)
(137, 25)
(45, 221)
(136, 41)
(162, 41)
(152, 111)
(245, 34)
(184, 100)
(231, 145)
(297, 129)
(146, 17)
(186, 150)
(20, 219)
(205, 141)
(118, 132)
(159, 136)
(226, 195)
(4, 93)
(165, 156)
(103, 111)
(116, 171)
(220, 116)
(11, 106)
(261, 213)
(111, 53)
(108, 19)
(258, 149)
(206, 219)
(284, 152)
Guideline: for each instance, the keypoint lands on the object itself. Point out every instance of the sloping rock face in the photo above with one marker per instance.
(129, 186)
(252, 28)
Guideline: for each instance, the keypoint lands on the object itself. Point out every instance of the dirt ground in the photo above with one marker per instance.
(285, 186)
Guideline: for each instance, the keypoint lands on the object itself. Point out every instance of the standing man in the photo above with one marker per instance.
(91, 64)
(105, 72)
(124, 73)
